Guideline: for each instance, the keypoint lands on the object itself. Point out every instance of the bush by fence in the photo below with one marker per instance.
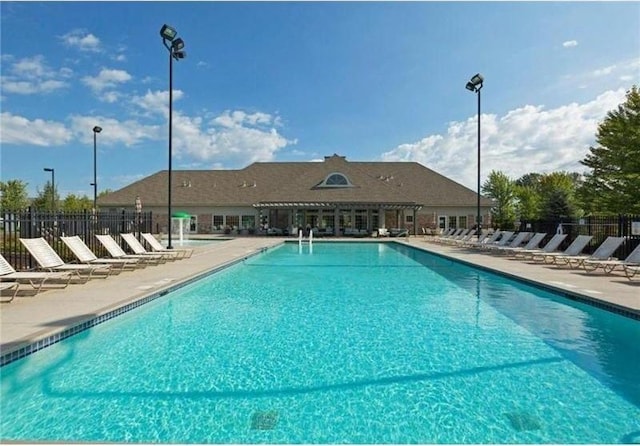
(52, 225)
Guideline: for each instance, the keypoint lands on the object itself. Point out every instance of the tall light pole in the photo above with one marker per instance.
(175, 46)
(96, 130)
(53, 187)
(475, 85)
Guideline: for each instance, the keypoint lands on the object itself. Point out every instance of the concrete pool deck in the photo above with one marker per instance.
(31, 318)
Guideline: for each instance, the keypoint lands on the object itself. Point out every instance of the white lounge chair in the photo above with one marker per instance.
(117, 252)
(551, 246)
(156, 246)
(632, 260)
(49, 260)
(503, 240)
(531, 244)
(490, 238)
(138, 249)
(575, 248)
(36, 279)
(602, 252)
(630, 271)
(85, 255)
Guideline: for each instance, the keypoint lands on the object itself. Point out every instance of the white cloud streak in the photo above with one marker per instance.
(570, 43)
(19, 130)
(32, 75)
(527, 139)
(107, 78)
(82, 40)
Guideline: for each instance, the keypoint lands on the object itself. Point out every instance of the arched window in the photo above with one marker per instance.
(335, 179)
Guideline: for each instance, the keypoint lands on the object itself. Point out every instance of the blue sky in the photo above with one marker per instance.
(289, 81)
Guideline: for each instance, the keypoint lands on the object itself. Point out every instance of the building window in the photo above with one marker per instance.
(408, 218)
(218, 222)
(248, 221)
(462, 221)
(336, 180)
(453, 221)
(233, 221)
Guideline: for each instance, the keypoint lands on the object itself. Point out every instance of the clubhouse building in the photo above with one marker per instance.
(334, 196)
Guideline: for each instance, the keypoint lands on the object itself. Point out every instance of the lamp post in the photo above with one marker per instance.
(138, 213)
(96, 130)
(175, 46)
(53, 187)
(475, 85)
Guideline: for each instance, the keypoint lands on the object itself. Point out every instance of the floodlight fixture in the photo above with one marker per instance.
(168, 33)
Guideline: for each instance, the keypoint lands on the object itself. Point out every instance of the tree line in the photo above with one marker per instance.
(610, 187)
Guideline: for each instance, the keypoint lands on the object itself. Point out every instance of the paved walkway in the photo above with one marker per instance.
(29, 319)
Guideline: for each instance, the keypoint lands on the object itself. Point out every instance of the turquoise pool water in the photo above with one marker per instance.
(355, 343)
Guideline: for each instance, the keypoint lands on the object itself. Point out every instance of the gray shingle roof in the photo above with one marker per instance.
(262, 182)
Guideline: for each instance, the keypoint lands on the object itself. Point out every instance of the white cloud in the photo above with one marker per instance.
(527, 139)
(82, 40)
(114, 132)
(570, 43)
(235, 138)
(106, 79)
(156, 102)
(19, 130)
(604, 71)
(32, 75)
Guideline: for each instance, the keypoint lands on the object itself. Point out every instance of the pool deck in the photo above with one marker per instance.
(31, 318)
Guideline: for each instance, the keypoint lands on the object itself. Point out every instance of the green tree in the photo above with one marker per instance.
(502, 189)
(528, 202)
(47, 198)
(14, 195)
(612, 185)
(558, 195)
(74, 202)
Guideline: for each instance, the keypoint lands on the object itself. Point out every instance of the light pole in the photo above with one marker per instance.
(175, 46)
(475, 85)
(53, 187)
(96, 130)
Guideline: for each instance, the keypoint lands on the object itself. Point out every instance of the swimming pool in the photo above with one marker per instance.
(355, 343)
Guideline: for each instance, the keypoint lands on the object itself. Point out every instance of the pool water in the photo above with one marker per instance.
(353, 343)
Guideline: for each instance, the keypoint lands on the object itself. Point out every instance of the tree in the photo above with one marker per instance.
(46, 198)
(73, 202)
(614, 181)
(14, 196)
(502, 189)
(557, 195)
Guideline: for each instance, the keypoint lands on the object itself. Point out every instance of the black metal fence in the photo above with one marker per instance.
(599, 227)
(53, 225)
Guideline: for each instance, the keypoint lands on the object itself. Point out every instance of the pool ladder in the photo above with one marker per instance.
(301, 239)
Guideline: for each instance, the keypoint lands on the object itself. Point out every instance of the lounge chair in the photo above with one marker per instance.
(630, 270)
(575, 248)
(15, 286)
(156, 246)
(551, 246)
(49, 260)
(383, 232)
(632, 260)
(490, 238)
(36, 279)
(85, 255)
(116, 251)
(533, 243)
(503, 240)
(515, 242)
(602, 252)
(464, 236)
(138, 249)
